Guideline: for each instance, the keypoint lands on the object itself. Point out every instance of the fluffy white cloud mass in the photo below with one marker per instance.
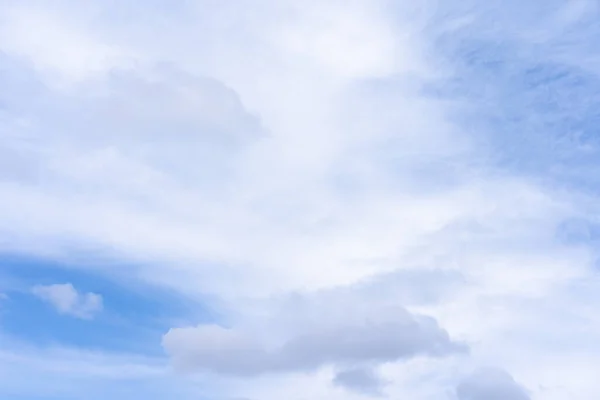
(397, 336)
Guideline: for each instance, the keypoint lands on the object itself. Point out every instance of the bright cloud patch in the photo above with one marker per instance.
(68, 301)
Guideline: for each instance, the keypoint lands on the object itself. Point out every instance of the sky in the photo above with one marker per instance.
(267, 199)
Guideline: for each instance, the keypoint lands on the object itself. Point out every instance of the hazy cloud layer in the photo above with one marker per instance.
(359, 189)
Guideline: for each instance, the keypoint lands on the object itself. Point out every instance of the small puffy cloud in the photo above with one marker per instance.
(377, 338)
(490, 384)
(362, 380)
(68, 301)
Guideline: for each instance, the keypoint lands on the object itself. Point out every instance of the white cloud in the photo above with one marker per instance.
(67, 300)
(62, 50)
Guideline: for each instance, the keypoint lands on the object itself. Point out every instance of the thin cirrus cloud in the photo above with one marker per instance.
(68, 301)
(356, 186)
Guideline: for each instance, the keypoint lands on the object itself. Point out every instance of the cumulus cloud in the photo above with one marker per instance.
(490, 384)
(68, 301)
(212, 348)
(354, 335)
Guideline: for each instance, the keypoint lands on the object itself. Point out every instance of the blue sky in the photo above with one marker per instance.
(132, 315)
(282, 199)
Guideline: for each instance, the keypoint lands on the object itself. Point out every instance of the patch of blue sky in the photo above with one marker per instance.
(537, 116)
(534, 109)
(134, 316)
